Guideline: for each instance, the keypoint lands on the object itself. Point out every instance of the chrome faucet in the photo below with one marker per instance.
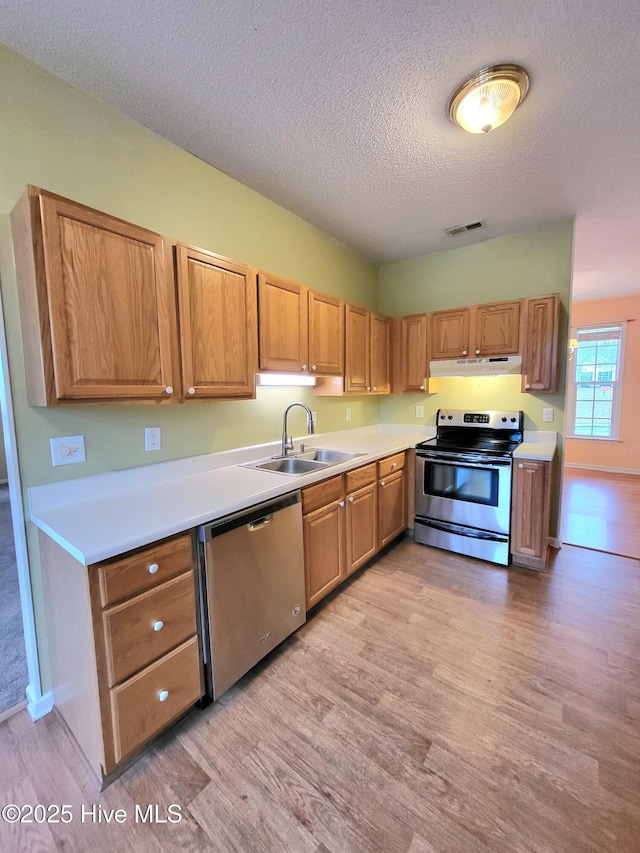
(287, 443)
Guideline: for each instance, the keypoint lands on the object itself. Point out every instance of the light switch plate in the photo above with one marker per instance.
(419, 411)
(547, 416)
(347, 413)
(67, 450)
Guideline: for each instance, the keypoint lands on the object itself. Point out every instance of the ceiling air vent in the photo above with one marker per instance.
(462, 229)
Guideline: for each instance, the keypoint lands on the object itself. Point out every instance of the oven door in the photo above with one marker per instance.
(464, 489)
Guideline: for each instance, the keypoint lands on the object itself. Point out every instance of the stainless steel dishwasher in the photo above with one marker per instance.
(251, 587)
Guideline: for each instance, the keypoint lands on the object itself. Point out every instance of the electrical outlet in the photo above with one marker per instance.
(547, 416)
(347, 413)
(314, 418)
(152, 438)
(67, 450)
(419, 411)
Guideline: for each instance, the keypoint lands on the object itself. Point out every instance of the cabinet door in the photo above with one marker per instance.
(218, 325)
(449, 336)
(391, 508)
(323, 534)
(540, 357)
(530, 512)
(282, 325)
(362, 525)
(497, 329)
(111, 305)
(326, 334)
(413, 368)
(357, 347)
(380, 348)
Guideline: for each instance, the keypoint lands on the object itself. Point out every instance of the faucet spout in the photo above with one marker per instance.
(287, 443)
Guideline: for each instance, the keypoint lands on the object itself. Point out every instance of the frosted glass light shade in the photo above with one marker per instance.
(489, 98)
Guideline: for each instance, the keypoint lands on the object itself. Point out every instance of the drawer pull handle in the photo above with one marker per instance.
(163, 695)
(158, 626)
(153, 568)
(393, 464)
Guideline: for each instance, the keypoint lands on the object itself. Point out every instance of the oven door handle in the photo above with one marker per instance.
(463, 531)
(472, 461)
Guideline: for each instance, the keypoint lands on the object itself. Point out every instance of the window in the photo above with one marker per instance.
(595, 381)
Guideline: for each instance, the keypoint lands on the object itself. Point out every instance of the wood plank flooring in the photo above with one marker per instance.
(436, 704)
(601, 511)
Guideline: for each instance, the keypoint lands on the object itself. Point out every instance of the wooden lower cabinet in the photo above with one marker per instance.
(530, 513)
(323, 536)
(128, 663)
(347, 519)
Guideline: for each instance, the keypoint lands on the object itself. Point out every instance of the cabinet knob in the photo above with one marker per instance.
(304, 367)
(153, 568)
(169, 389)
(464, 352)
(158, 626)
(520, 465)
(382, 482)
(393, 464)
(477, 352)
(528, 386)
(191, 390)
(368, 387)
(163, 695)
(341, 503)
(422, 387)
(313, 367)
(351, 499)
(375, 388)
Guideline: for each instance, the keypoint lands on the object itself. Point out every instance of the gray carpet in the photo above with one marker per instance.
(13, 661)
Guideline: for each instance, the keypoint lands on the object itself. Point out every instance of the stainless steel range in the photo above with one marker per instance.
(463, 483)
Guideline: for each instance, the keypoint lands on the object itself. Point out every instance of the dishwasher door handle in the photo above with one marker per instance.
(259, 523)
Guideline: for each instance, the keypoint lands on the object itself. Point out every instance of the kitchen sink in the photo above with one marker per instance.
(290, 465)
(313, 459)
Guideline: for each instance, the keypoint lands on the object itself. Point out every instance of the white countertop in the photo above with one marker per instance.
(537, 444)
(101, 516)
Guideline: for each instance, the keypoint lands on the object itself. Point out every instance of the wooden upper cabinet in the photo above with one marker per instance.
(380, 348)
(217, 302)
(540, 356)
(326, 334)
(411, 368)
(449, 333)
(368, 352)
(497, 329)
(96, 301)
(357, 345)
(282, 325)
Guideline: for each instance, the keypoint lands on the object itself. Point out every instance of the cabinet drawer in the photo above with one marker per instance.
(322, 493)
(390, 465)
(146, 627)
(140, 708)
(143, 569)
(360, 477)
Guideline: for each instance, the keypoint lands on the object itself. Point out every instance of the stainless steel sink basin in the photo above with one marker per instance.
(290, 465)
(331, 457)
(313, 459)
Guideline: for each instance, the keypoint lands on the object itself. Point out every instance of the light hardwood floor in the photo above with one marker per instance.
(601, 511)
(436, 704)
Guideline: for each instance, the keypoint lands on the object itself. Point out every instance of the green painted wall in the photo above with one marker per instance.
(531, 263)
(54, 136)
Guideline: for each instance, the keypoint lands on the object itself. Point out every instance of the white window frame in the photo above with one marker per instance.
(617, 397)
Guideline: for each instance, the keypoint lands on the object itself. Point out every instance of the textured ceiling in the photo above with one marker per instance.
(338, 110)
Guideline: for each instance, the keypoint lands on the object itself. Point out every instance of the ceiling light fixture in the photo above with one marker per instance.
(489, 98)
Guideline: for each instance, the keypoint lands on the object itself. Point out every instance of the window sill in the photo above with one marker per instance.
(593, 438)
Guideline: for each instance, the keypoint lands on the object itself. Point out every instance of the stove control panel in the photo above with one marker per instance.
(476, 419)
(489, 419)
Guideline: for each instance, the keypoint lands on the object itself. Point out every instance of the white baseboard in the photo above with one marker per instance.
(555, 542)
(38, 706)
(603, 468)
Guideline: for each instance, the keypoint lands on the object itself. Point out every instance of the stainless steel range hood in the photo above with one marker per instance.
(494, 366)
